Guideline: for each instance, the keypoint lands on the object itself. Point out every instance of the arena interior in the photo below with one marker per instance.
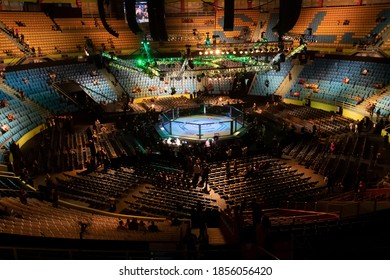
(188, 129)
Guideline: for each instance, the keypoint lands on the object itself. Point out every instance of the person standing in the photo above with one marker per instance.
(197, 171)
(205, 176)
(227, 169)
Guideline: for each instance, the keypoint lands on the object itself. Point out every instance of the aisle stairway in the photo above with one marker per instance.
(15, 41)
(373, 99)
(216, 238)
(34, 106)
(287, 83)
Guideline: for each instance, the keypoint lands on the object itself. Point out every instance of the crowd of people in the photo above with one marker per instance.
(134, 225)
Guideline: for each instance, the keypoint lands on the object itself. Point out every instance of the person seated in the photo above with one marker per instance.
(141, 226)
(296, 94)
(4, 103)
(175, 221)
(133, 225)
(152, 227)
(4, 128)
(345, 80)
(364, 72)
(121, 226)
(11, 117)
(254, 107)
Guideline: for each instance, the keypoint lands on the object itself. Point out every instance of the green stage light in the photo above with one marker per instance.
(140, 62)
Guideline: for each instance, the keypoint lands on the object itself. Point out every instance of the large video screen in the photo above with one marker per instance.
(141, 12)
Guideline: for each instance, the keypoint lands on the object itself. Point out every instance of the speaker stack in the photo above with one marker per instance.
(102, 15)
(228, 19)
(131, 17)
(158, 29)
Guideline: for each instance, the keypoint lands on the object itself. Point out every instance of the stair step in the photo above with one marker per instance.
(215, 236)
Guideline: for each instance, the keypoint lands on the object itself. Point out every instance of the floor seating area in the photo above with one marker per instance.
(327, 123)
(166, 103)
(262, 178)
(168, 194)
(339, 80)
(97, 189)
(340, 155)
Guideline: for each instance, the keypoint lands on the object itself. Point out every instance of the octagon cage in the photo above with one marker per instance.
(202, 122)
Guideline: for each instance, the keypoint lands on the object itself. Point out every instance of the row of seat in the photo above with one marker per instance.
(330, 77)
(40, 219)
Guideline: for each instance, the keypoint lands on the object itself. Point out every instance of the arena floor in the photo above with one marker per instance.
(208, 126)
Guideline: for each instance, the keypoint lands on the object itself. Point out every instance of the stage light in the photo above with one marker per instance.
(200, 53)
(241, 52)
(227, 52)
(206, 52)
(217, 52)
(140, 62)
(234, 52)
(222, 52)
(211, 52)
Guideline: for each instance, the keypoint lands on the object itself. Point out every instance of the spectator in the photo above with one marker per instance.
(4, 103)
(142, 227)
(4, 128)
(11, 117)
(152, 227)
(121, 226)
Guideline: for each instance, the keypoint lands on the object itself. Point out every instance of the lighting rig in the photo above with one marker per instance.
(221, 61)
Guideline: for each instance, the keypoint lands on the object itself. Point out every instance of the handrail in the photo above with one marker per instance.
(268, 253)
(190, 14)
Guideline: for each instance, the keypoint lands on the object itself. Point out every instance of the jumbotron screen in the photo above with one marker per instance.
(141, 12)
